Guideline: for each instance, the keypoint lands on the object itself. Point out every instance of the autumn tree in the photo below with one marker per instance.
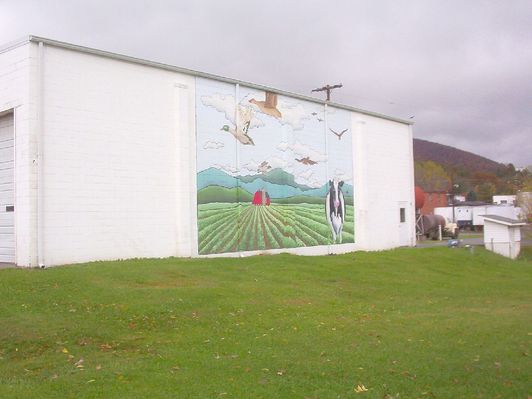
(485, 191)
(431, 176)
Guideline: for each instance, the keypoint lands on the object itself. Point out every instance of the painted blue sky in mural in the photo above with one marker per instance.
(293, 135)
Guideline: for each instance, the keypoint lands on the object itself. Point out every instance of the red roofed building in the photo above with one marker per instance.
(261, 197)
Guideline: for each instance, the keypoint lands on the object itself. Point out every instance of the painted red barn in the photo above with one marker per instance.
(261, 197)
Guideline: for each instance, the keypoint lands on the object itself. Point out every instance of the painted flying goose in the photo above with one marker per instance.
(269, 107)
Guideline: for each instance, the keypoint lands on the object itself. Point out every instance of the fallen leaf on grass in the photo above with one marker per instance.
(64, 350)
(360, 389)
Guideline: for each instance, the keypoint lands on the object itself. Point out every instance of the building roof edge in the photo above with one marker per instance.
(154, 64)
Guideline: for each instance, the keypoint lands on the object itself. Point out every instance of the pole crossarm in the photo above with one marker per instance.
(328, 89)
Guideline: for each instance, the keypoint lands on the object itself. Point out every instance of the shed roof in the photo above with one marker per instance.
(126, 58)
(503, 220)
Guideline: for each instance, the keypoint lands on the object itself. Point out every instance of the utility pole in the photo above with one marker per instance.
(328, 89)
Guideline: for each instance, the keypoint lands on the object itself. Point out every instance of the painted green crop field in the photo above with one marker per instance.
(408, 323)
(229, 227)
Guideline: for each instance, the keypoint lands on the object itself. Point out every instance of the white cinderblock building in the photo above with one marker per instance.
(104, 156)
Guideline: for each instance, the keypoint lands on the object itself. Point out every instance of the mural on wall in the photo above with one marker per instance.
(272, 171)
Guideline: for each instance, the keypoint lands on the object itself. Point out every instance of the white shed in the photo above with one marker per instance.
(502, 235)
(105, 156)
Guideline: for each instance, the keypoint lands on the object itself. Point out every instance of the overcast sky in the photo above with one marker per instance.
(462, 69)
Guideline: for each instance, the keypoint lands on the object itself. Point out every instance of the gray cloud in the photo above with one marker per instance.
(462, 68)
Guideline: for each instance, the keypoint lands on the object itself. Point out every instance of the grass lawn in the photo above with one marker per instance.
(407, 323)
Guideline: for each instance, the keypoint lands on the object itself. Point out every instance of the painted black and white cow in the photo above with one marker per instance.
(335, 208)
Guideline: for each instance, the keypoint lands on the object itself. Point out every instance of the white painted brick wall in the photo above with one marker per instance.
(383, 165)
(16, 68)
(115, 171)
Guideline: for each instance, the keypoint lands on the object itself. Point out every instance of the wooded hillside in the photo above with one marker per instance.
(440, 167)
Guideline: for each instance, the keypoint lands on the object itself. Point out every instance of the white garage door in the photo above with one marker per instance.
(7, 189)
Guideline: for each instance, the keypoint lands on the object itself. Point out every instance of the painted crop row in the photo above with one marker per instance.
(246, 227)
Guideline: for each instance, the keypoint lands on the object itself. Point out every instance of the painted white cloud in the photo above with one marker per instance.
(226, 104)
(212, 145)
(307, 178)
(341, 175)
(306, 175)
(221, 103)
(276, 162)
(302, 150)
(292, 115)
(251, 166)
(314, 183)
(273, 161)
(229, 169)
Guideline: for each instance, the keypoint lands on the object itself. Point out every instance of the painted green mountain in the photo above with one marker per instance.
(276, 176)
(277, 182)
(214, 193)
(214, 176)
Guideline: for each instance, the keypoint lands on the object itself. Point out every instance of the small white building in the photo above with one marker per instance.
(506, 211)
(504, 199)
(502, 235)
(105, 156)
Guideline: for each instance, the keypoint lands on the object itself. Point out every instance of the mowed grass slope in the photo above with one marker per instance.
(408, 323)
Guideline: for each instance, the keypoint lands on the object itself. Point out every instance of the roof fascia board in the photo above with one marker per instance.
(503, 222)
(186, 71)
(14, 44)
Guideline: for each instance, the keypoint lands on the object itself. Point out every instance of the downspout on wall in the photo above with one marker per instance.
(40, 157)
